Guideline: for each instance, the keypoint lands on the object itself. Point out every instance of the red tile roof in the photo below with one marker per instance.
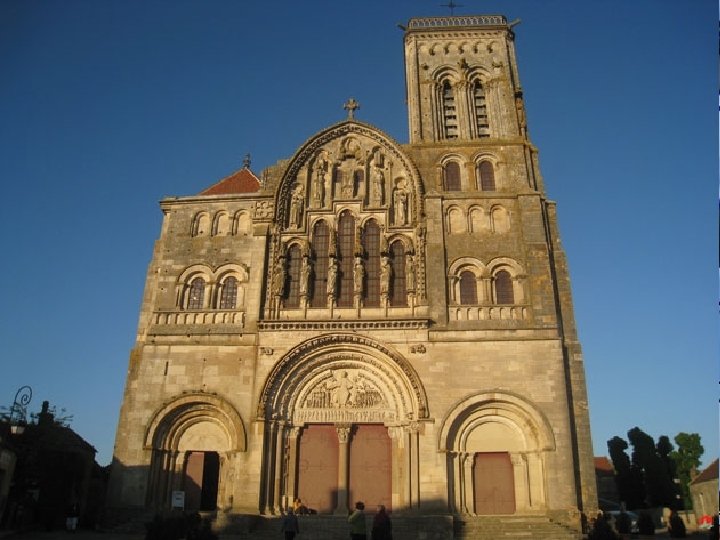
(710, 473)
(603, 464)
(242, 181)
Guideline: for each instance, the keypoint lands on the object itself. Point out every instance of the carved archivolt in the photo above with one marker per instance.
(173, 419)
(500, 407)
(343, 378)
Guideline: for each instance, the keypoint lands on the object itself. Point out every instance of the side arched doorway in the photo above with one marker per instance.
(495, 444)
(342, 417)
(193, 440)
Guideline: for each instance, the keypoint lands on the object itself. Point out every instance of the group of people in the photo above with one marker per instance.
(381, 527)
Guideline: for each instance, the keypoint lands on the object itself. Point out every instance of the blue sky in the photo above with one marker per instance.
(106, 106)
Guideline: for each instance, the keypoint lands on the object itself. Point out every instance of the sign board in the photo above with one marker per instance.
(178, 500)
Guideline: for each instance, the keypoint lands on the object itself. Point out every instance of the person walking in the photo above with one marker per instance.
(357, 522)
(290, 525)
(382, 526)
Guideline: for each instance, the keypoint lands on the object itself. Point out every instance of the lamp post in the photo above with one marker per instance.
(18, 410)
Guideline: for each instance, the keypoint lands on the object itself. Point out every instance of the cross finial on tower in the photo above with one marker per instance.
(452, 5)
(350, 107)
(246, 161)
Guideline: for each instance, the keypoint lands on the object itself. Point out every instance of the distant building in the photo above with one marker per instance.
(370, 320)
(704, 491)
(608, 498)
(53, 469)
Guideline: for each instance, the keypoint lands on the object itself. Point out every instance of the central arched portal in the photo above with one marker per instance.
(342, 415)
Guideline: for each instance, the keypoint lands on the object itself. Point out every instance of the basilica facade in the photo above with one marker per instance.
(369, 320)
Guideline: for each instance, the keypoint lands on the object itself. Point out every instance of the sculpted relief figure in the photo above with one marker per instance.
(318, 183)
(340, 387)
(305, 276)
(297, 206)
(278, 279)
(400, 204)
(377, 183)
(332, 278)
(409, 272)
(385, 276)
(358, 276)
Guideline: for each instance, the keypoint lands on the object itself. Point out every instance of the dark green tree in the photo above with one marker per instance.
(660, 487)
(628, 479)
(687, 460)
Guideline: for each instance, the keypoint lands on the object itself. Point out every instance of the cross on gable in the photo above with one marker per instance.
(350, 107)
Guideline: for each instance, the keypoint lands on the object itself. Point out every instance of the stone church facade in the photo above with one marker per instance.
(369, 320)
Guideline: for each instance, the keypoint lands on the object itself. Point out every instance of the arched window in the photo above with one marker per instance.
(292, 280)
(398, 294)
(503, 288)
(201, 224)
(346, 247)
(487, 176)
(481, 120)
(196, 294)
(451, 176)
(320, 246)
(468, 289)
(449, 111)
(228, 293)
(456, 221)
(371, 247)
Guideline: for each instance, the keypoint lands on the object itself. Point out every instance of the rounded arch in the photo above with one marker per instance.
(467, 263)
(518, 416)
(400, 399)
(309, 153)
(176, 418)
(200, 224)
(240, 271)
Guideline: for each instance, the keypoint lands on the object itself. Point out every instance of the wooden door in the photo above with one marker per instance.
(494, 483)
(318, 468)
(370, 466)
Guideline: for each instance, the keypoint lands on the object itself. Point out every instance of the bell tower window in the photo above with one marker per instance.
(480, 109)
(451, 176)
(449, 111)
(487, 176)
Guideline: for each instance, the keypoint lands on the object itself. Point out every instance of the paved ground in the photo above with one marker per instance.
(97, 535)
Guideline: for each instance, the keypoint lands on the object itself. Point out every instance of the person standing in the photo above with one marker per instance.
(382, 526)
(357, 522)
(290, 525)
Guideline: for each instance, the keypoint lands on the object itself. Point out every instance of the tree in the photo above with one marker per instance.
(647, 477)
(627, 478)
(687, 460)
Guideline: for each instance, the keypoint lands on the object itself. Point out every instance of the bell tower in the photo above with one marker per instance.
(461, 79)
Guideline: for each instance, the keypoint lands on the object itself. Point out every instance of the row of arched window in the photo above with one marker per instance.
(222, 223)
(500, 282)
(476, 219)
(353, 262)
(453, 180)
(201, 289)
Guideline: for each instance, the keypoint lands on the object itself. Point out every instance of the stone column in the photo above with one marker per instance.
(343, 431)
(292, 449)
(400, 477)
(522, 494)
(414, 451)
(454, 460)
(277, 478)
(535, 479)
(468, 461)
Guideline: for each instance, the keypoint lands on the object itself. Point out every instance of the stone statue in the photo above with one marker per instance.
(385, 275)
(358, 276)
(377, 186)
(409, 272)
(340, 387)
(318, 185)
(278, 279)
(305, 276)
(400, 200)
(297, 206)
(332, 277)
